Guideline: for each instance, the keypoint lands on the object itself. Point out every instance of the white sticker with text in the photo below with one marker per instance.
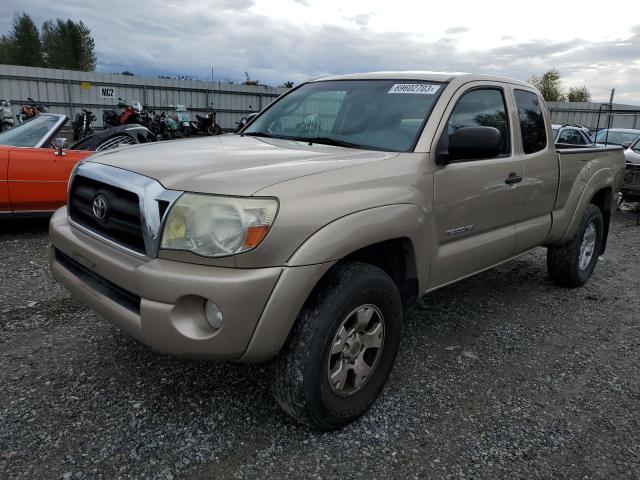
(415, 88)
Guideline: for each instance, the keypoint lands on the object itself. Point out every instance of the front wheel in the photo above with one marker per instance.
(342, 348)
(571, 264)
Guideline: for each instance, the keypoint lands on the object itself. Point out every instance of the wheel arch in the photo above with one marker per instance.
(605, 201)
(599, 191)
(389, 243)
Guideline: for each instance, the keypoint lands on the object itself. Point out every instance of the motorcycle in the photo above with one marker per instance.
(6, 119)
(245, 120)
(147, 119)
(167, 127)
(82, 125)
(182, 118)
(130, 114)
(206, 125)
(30, 110)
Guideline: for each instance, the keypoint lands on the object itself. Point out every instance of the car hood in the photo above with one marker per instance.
(233, 164)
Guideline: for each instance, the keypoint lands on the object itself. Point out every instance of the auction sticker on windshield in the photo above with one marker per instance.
(415, 88)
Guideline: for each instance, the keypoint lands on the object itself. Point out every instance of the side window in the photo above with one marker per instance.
(534, 133)
(571, 136)
(564, 136)
(482, 108)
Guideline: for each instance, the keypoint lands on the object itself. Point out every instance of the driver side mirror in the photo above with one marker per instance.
(60, 144)
(626, 144)
(471, 143)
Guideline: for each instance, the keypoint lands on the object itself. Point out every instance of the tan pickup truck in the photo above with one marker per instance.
(303, 239)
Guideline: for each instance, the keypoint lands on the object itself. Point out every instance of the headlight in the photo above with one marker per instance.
(215, 226)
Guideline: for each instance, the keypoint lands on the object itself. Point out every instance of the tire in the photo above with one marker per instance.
(300, 374)
(564, 261)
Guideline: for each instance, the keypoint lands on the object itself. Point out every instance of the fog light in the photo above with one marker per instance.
(213, 314)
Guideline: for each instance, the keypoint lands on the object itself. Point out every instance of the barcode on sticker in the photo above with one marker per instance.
(415, 88)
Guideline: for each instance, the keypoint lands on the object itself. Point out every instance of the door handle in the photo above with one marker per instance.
(513, 179)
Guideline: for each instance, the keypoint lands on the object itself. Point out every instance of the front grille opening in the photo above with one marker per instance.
(122, 297)
(122, 223)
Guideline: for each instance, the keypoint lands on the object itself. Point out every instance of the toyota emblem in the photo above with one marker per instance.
(100, 207)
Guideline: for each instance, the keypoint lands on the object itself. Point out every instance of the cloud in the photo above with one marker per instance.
(361, 19)
(456, 30)
(191, 37)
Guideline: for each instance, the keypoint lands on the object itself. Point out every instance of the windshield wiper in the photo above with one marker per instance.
(327, 141)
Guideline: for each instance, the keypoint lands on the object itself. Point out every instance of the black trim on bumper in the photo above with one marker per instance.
(119, 295)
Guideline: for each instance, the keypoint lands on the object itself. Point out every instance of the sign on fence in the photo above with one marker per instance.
(108, 92)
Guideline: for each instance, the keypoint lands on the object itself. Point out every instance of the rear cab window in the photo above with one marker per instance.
(531, 118)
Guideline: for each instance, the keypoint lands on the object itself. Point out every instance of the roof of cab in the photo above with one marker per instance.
(423, 75)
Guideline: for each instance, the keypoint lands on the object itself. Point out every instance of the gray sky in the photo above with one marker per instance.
(279, 40)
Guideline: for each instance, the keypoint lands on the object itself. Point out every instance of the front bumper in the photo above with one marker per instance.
(161, 302)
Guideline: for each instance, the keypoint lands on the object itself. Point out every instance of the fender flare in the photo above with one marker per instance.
(360, 229)
(318, 253)
(599, 181)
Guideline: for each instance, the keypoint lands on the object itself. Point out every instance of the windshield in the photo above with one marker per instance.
(368, 114)
(617, 138)
(29, 133)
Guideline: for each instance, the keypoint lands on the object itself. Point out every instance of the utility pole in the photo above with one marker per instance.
(613, 90)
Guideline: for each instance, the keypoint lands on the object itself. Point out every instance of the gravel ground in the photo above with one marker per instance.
(500, 376)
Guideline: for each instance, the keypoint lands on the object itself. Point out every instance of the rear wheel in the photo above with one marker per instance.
(340, 352)
(572, 264)
(214, 130)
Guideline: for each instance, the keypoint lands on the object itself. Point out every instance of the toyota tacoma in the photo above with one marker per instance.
(302, 239)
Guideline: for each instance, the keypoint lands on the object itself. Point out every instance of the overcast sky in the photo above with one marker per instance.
(591, 43)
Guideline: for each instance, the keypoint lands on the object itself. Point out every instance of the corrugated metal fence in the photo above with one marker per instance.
(622, 116)
(67, 91)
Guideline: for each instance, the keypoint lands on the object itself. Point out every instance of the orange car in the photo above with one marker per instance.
(34, 176)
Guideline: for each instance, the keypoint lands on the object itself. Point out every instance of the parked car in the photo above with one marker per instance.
(303, 239)
(631, 187)
(34, 176)
(572, 135)
(617, 136)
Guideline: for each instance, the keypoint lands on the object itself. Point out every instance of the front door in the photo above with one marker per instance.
(476, 202)
(5, 204)
(38, 178)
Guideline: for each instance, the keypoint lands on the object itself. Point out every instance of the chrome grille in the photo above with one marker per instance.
(122, 222)
(134, 207)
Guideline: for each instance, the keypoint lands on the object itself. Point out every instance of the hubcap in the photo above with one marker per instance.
(355, 350)
(588, 246)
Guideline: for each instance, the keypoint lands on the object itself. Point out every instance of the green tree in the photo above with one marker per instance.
(68, 44)
(5, 46)
(128, 73)
(549, 85)
(579, 94)
(22, 46)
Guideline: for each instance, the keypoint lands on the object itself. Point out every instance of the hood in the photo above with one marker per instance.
(233, 164)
